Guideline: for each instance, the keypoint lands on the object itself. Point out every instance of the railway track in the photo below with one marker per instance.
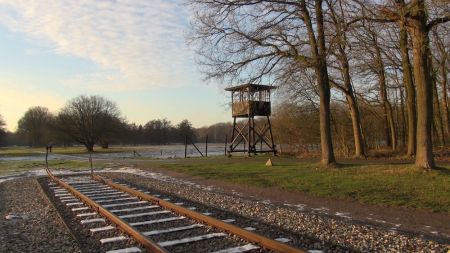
(124, 219)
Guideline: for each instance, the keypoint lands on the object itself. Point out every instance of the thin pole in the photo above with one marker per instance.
(271, 137)
(249, 136)
(254, 137)
(90, 162)
(261, 139)
(226, 143)
(232, 134)
(46, 158)
(185, 147)
(206, 152)
(198, 150)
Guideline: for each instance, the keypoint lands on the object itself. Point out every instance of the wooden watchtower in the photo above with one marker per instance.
(249, 101)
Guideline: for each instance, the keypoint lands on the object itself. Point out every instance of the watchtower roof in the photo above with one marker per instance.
(251, 87)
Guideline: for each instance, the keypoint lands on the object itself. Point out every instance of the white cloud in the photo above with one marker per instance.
(137, 44)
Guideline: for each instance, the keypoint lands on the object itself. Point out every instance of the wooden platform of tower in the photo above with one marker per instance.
(249, 136)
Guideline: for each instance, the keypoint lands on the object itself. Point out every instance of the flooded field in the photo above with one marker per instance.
(156, 152)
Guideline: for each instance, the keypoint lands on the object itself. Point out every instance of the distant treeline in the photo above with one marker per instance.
(155, 132)
(93, 120)
(295, 127)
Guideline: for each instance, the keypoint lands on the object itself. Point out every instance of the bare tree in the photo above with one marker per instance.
(159, 131)
(36, 125)
(256, 41)
(371, 60)
(2, 129)
(340, 44)
(407, 80)
(89, 120)
(415, 15)
(441, 40)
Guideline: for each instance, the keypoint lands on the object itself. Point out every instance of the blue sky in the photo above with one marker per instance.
(131, 52)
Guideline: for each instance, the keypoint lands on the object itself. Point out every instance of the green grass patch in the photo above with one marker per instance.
(387, 185)
(27, 151)
(18, 151)
(8, 167)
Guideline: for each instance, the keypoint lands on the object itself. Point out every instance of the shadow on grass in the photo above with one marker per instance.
(442, 170)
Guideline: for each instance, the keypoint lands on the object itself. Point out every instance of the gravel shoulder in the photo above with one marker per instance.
(40, 228)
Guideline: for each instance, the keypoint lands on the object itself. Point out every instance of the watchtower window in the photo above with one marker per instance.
(245, 95)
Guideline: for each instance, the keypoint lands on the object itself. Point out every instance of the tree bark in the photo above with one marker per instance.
(318, 51)
(437, 111)
(90, 146)
(404, 127)
(348, 90)
(390, 124)
(445, 98)
(443, 74)
(410, 90)
(356, 125)
(324, 91)
(421, 51)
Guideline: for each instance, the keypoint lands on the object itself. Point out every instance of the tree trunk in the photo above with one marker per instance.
(324, 90)
(389, 115)
(356, 124)
(325, 121)
(348, 87)
(443, 74)
(318, 51)
(421, 51)
(410, 91)
(352, 105)
(387, 107)
(105, 144)
(402, 106)
(445, 117)
(387, 132)
(437, 117)
(90, 146)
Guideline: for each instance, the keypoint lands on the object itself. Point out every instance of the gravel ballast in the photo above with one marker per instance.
(324, 230)
(37, 226)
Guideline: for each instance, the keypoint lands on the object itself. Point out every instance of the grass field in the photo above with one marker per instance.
(387, 185)
(7, 167)
(25, 151)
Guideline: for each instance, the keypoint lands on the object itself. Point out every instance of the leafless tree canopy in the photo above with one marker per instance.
(89, 119)
(35, 125)
(384, 56)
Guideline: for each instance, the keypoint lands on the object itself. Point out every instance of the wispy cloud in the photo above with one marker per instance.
(137, 44)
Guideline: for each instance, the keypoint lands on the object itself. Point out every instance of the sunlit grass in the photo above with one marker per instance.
(8, 167)
(389, 185)
(27, 151)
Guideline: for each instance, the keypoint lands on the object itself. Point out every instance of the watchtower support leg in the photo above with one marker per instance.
(249, 142)
(271, 137)
(232, 135)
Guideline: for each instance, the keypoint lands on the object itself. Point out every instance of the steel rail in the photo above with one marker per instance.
(124, 226)
(242, 233)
